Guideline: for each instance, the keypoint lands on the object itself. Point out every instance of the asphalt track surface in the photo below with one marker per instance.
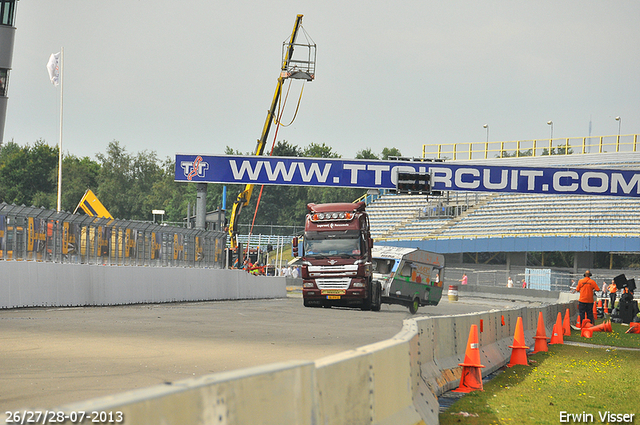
(54, 356)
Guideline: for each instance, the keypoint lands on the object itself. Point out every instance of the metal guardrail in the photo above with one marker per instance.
(37, 234)
(263, 241)
(536, 147)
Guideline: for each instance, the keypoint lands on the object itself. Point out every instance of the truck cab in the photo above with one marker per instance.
(336, 253)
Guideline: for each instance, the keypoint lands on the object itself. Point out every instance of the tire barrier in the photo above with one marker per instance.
(396, 381)
(453, 293)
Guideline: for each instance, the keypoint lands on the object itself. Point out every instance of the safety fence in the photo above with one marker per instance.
(541, 279)
(38, 234)
(271, 229)
(539, 147)
(264, 241)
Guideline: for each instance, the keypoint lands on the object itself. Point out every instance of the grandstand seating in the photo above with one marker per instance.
(504, 215)
(390, 211)
(507, 214)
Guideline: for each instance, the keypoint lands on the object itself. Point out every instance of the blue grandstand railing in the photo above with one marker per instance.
(536, 147)
(490, 235)
(370, 197)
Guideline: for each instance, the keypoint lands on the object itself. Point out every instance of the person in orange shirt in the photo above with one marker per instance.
(586, 287)
(613, 289)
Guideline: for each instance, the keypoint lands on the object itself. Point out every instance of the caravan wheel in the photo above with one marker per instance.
(415, 304)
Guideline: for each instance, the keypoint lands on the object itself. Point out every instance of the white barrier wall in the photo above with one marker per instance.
(33, 284)
(443, 342)
(276, 394)
(394, 382)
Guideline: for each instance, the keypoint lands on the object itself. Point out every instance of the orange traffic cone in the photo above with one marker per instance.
(566, 325)
(518, 349)
(595, 311)
(471, 379)
(606, 306)
(502, 319)
(556, 335)
(586, 330)
(579, 324)
(634, 328)
(602, 327)
(541, 336)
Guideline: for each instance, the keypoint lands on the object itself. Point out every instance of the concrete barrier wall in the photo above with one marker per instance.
(369, 385)
(32, 284)
(276, 394)
(396, 381)
(447, 341)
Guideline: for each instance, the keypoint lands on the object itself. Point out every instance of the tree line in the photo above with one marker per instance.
(131, 185)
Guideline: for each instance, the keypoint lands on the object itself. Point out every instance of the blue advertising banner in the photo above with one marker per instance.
(373, 174)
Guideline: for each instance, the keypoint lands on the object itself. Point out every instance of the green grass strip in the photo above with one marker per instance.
(567, 384)
(617, 338)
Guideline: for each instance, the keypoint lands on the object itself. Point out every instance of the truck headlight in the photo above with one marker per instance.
(308, 285)
(358, 284)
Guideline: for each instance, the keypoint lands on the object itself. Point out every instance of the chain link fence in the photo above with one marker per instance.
(37, 234)
(551, 281)
(535, 278)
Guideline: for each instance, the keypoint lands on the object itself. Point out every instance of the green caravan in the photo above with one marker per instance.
(409, 276)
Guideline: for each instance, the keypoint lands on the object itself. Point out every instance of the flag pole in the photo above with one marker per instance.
(60, 138)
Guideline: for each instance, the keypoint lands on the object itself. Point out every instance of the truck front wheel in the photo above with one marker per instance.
(367, 303)
(377, 296)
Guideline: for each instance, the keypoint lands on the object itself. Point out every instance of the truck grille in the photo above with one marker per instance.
(347, 268)
(333, 283)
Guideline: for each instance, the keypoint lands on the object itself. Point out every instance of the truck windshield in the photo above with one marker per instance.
(330, 247)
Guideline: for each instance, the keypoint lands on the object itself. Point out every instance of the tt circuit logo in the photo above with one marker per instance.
(195, 168)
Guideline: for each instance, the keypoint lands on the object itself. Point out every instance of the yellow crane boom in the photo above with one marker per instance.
(245, 196)
(91, 205)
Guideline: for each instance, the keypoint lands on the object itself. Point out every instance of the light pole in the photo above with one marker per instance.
(486, 145)
(619, 122)
(551, 134)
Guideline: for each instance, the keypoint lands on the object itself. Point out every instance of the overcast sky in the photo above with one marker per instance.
(195, 76)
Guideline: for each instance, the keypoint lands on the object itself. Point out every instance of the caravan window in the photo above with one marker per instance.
(382, 266)
(406, 269)
(436, 275)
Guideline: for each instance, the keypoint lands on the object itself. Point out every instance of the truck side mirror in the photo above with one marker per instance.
(294, 246)
(370, 243)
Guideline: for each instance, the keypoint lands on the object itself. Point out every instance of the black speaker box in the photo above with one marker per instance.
(631, 284)
(628, 310)
(620, 281)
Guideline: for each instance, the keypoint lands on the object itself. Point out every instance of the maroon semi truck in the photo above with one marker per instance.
(336, 257)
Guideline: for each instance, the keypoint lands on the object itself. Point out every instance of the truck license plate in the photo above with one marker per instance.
(333, 291)
(333, 297)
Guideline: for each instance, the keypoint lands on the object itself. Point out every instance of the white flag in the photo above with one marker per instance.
(53, 66)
